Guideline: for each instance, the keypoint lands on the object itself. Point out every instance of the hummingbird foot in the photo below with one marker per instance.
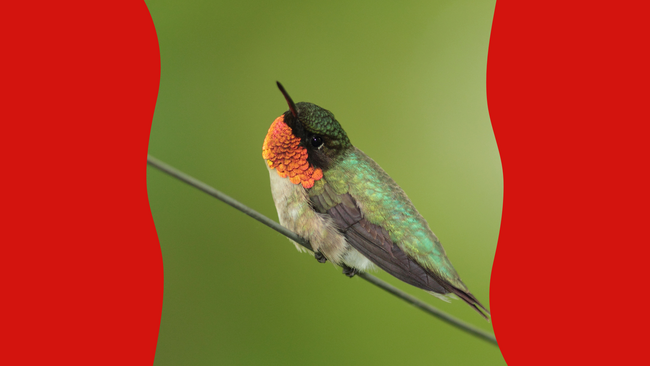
(320, 257)
(349, 271)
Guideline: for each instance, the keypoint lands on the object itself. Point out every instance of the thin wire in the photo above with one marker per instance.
(295, 237)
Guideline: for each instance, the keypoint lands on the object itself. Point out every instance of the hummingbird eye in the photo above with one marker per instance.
(317, 141)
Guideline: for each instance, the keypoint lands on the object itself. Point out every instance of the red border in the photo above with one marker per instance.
(567, 92)
(567, 87)
(81, 264)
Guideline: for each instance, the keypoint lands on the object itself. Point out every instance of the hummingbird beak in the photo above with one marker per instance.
(292, 105)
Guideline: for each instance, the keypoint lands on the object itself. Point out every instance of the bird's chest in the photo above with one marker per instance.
(291, 202)
(296, 214)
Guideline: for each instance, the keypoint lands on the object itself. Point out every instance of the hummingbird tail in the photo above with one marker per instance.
(471, 301)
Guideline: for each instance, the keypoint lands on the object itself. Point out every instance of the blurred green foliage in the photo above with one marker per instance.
(407, 82)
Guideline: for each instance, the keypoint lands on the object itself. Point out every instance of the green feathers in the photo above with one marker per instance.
(385, 204)
(320, 121)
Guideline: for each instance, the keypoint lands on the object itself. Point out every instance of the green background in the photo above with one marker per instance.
(407, 82)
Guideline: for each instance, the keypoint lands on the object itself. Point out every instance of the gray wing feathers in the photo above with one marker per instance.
(374, 243)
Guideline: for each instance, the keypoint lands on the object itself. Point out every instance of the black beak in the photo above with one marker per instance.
(292, 105)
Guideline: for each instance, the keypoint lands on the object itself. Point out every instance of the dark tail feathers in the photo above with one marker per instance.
(471, 301)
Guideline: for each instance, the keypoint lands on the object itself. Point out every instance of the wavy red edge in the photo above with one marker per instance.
(81, 263)
(567, 86)
(82, 269)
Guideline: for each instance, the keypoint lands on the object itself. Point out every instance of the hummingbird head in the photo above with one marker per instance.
(303, 142)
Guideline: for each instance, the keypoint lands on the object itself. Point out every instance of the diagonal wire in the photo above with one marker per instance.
(295, 237)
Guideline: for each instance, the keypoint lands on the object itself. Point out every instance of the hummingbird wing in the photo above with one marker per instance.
(378, 220)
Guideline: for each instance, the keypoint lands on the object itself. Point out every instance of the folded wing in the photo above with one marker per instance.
(374, 243)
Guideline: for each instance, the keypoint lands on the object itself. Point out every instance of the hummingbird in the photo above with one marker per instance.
(349, 209)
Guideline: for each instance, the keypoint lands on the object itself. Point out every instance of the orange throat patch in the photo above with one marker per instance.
(282, 152)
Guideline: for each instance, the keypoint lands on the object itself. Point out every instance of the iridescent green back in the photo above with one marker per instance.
(385, 204)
